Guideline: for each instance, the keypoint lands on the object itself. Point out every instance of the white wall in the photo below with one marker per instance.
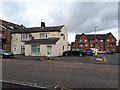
(16, 41)
(62, 42)
(43, 50)
(57, 49)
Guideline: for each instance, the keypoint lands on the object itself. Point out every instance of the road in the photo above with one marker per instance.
(61, 72)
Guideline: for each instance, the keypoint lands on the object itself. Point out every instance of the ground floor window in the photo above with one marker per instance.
(101, 49)
(35, 49)
(22, 49)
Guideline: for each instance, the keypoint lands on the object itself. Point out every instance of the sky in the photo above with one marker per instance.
(77, 16)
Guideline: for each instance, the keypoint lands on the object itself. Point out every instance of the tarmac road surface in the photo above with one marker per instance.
(61, 74)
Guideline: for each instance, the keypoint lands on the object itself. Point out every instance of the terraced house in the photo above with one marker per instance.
(39, 41)
(104, 42)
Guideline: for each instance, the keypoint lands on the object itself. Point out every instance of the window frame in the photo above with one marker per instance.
(25, 36)
(45, 35)
(81, 45)
(23, 49)
(101, 40)
(101, 45)
(107, 45)
(108, 40)
(91, 45)
(86, 45)
(64, 37)
(91, 40)
(35, 47)
(85, 40)
(80, 40)
(113, 40)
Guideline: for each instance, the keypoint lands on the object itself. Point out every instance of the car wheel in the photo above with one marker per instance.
(91, 54)
(80, 54)
(66, 54)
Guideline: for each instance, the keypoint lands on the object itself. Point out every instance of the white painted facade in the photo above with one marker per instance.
(57, 49)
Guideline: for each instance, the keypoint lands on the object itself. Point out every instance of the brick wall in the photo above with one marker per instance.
(110, 39)
(102, 45)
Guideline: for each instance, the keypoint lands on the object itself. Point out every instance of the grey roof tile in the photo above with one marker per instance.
(38, 29)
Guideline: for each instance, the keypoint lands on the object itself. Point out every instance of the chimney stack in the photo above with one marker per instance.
(42, 24)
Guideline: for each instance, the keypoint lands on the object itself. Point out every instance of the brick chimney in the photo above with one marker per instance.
(42, 24)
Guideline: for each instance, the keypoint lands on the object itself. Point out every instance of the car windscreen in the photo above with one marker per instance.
(4, 51)
(79, 49)
(73, 49)
(88, 49)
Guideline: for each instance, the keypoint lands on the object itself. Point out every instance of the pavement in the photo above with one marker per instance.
(61, 72)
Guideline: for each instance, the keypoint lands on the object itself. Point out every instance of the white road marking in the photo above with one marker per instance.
(22, 84)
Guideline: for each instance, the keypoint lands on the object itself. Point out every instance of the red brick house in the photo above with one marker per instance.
(104, 42)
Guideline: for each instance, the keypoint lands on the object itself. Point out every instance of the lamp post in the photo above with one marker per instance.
(95, 40)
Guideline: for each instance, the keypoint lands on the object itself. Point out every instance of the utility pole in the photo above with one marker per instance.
(95, 40)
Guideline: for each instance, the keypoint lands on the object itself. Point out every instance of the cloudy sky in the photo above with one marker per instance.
(78, 17)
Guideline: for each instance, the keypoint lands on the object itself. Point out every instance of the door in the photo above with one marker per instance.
(49, 49)
(14, 49)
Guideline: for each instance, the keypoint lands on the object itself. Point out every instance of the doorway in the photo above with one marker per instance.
(14, 49)
(49, 49)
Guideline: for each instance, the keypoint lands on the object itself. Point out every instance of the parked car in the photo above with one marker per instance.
(75, 51)
(5, 53)
(110, 51)
(89, 52)
(94, 50)
(101, 52)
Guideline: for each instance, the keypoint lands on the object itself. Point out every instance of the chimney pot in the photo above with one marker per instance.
(42, 24)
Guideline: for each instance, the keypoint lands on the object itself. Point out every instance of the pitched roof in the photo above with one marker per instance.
(15, 26)
(39, 29)
(43, 41)
(92, 36)
(99, 36)
(78, 36)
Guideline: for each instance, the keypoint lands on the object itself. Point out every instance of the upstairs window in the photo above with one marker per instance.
(43, 35)
(91, 45)
(81, 45)
(113, 40)
(86, 45)
(64, 37)
(91, 40)
(26, 36)
(80, 40)
(107, 45)
(108, 40)
(85, 40)
(101, 40)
